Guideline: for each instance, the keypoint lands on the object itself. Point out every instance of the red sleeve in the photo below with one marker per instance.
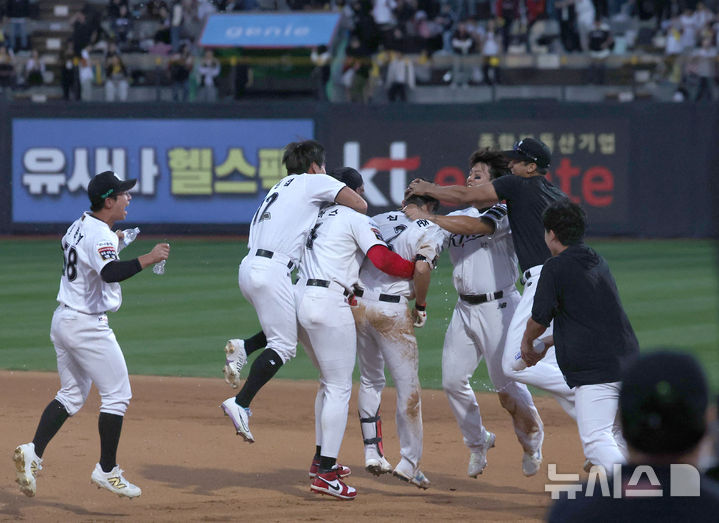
(390, 262)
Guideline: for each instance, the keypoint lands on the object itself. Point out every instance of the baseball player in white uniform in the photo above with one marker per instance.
(385, 334)
(485, 269)
(333, 253)
(86, 347)
(278, 232)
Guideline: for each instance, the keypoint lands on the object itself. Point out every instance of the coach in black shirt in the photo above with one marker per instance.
(527, 194)
(593, 337)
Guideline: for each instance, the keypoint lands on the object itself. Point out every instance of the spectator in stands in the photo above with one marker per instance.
(673, 49)
(356, 71)
(508, 11)
(18, 11)
(208, 71)
(585, 21)
(400, 77)
(82, 32)
(702, 67)
(116, 79)
(181, 65)
(7, 71)
(86, 75)
(490, 54)
(34, 70)
(322, 59)
(689, 26)
(463, 44)
(177, 15)
(383, 15)
(567, 15)
(600, 43)
(69, 74)
(121, 25)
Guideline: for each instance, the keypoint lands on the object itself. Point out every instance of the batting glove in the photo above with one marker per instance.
(419, 315)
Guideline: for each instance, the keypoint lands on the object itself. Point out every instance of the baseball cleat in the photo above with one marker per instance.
(27, 464)
(378, 466)
(239, 417)
(329, 483)
(531, 462)
(115, 482)
(342, 471)
(419, 480)
(235, 359)
(478, 458)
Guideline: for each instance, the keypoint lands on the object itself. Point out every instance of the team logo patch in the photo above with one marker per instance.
(377, 234)
(107, 251)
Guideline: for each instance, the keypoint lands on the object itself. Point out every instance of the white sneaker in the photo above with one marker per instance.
(478, 458)
(531, 462)
(235, 359)
(114, 481)
(240, 418)
(27, 464)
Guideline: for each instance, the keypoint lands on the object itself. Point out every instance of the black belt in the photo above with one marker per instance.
(270, 254)
(481, 298)
(313, 282)
(389, 298)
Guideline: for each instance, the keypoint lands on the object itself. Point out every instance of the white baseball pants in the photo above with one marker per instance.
(544, 375)
(88, 352)
(266, 284)
(385, 334)
(477, 331)
(598, 424)
(327, 332)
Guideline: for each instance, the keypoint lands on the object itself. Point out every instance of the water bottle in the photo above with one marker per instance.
(159, 267)
(130, 235)
(519, 363)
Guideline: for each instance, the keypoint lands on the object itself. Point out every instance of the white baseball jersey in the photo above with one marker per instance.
(337, 244)
(408, 239)
(88, 245)
(482, 263)
(289, 211)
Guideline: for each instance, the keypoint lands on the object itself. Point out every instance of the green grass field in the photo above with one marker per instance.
(177, 324)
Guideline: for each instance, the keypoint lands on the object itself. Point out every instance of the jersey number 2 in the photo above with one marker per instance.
(69, 264)
(262, 213)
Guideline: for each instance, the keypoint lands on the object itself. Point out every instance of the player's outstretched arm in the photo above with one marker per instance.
(390, 262)
(117, 270)
(480, 196)
(455, 224)
(351, 199)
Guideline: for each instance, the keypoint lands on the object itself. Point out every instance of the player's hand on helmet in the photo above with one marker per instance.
(160, 252)
(419, 315)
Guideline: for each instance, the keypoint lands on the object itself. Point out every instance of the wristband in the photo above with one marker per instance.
(420, 307)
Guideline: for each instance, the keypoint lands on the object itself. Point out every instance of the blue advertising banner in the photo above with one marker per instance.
(188, 171)
(280, 30)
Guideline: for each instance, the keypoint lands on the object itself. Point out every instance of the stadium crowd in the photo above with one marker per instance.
(392, 42)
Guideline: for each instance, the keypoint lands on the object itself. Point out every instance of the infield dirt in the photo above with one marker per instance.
(184, 454)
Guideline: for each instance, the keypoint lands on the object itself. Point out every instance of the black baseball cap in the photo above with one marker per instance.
(663, 402)
(105, 185)
(349, 176)
(530, 150)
